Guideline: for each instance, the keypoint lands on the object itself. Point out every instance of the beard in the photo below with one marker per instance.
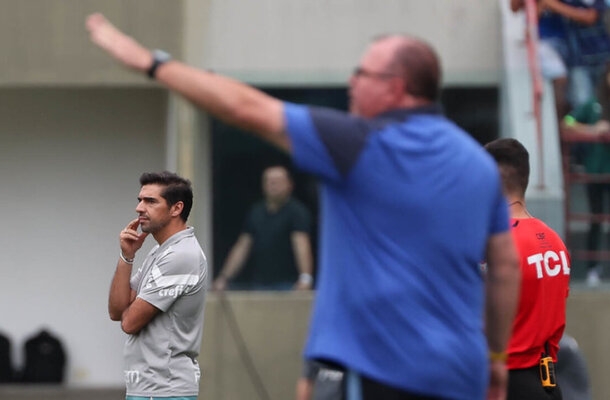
(154, 226)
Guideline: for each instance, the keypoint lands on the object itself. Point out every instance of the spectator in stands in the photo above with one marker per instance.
(545, 278)
(275, 238)
(589, 45)
(593, 117)
(573, 43)
(410, 204)
(553, 52)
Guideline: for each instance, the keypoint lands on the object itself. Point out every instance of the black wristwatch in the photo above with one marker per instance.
(160, 57)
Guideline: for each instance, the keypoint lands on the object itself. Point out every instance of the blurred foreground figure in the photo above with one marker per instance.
(410, 205)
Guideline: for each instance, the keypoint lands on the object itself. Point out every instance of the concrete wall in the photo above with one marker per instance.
(545, 190)
(70, 161)
(44, 41)
(320, 41)
(272, 330)
(274, 326)
(588, 321)
(76, 132)
(268, 41)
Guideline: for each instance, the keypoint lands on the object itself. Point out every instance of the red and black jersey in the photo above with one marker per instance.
(541, 316)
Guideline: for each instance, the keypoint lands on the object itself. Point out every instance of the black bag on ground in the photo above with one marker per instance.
(45, 359)
(6, 367)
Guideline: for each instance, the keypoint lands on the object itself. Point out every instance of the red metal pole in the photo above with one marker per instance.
(531, 37)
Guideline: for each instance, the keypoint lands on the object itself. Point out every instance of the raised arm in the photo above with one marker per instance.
(121, 295)
(123, 305)
(585, 16)
(234, 102)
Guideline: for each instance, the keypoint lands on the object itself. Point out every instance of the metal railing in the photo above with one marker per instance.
(531, 40)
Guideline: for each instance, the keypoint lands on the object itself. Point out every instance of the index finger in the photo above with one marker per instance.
(134, 224)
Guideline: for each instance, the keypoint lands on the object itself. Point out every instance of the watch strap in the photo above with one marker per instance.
(160, 57)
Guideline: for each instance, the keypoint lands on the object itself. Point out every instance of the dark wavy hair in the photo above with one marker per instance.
(176, 189)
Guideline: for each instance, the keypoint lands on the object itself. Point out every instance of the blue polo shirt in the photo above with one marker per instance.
(408, 203)
(551, 26)
(589, 45)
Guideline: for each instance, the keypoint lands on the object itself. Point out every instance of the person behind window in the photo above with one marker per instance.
(275, 238)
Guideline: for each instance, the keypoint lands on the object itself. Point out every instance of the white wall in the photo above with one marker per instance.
(70, 161)
(320, 41)
(545, 191)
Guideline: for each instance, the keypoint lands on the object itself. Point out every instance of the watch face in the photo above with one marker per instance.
(161, 56)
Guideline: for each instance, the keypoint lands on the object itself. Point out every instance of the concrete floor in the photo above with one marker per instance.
(48, 392)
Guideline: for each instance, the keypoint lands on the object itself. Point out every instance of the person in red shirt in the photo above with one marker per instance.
(545, 277)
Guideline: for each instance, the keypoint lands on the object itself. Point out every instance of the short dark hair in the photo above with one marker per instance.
(176, 189)
(513, 161)
(420, 67)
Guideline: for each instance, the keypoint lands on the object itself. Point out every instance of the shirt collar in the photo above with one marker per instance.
(403, 113)
(176, 237)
